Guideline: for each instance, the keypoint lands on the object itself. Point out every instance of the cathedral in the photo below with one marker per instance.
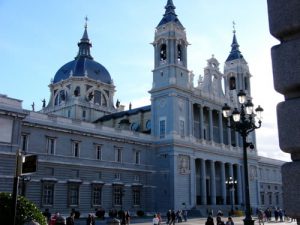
(176, 153)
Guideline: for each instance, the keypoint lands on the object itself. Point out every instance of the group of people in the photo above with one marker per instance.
(58, 219)
(210, 221)
(266, 215)
(176, 216)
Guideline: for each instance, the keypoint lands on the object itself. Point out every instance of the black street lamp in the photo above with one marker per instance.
(243, 122)
(230, 182)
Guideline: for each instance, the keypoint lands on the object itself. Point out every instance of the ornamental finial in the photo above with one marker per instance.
(86, 19)
(233, 26)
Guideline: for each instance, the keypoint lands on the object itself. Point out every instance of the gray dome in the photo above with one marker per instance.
(81, 67)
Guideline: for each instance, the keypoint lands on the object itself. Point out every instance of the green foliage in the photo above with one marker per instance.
(26, 210)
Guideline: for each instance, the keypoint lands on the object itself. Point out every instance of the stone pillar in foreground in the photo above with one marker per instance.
(284, 22)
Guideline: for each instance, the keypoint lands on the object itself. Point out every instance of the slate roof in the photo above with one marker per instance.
(124, 113)
(235, 52)
(83, 65)
(170, 15)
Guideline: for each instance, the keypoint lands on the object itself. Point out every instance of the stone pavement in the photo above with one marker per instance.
(191, 221)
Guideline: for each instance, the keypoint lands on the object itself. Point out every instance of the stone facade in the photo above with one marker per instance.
(284, 21)
(176, 153)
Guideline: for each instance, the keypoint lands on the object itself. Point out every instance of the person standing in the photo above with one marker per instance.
(127, 218)
(70, 219)
(90, 220)
(209, 221)
(229, 221)
(219, 221)
(47, 214)
(173, 218)
(185, 215)
(168, 216)
(155, 220)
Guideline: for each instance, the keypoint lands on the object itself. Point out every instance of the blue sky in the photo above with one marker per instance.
(38, 37)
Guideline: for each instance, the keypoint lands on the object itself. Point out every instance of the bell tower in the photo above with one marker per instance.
(170, 51)
(236, 70)
(172, 81)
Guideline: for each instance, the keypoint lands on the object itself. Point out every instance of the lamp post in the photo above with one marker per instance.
(230, 182)
(243, 122)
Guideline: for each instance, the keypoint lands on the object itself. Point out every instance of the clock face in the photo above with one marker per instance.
(148, 125)
(134, 126)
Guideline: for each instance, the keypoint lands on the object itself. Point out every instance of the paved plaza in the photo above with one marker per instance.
(191, 221)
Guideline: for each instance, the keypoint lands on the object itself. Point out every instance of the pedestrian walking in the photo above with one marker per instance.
(70, 219)
(229, 221)
(209, 221)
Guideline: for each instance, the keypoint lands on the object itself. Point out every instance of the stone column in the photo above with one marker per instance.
(213, 182)
(223, 184)
(239, 184)
(236, 139)
(211, 127)
(229, 134)
(284, 21)
(221, 127)
(231, 190)
(193, 182)
(201, 131)
(190, 123)
(203, 183)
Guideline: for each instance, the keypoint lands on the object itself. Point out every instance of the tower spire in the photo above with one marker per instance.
(170, 15)
(235, 51)
(84, 44)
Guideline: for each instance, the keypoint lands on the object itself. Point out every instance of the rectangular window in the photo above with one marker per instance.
(73, 194)
(162, 128)
(98, 152)
(83, 114)
(118, 195)
(50, 148)
(137, 157)
(48, 194)
(75, 150)
(118, 154)
(24, 142)
(97, 190)
(270, 198)
(181, 128)
(136, 194)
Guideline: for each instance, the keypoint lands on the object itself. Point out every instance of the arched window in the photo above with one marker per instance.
(232, 84)
(77, 91)
(60, 97)
(179, 53)
(163, 52)
(98, 98)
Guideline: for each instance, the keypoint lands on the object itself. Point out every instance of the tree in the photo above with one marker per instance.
(26, 210)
